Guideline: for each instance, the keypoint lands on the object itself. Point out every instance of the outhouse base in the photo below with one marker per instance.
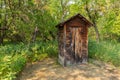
(65, 62)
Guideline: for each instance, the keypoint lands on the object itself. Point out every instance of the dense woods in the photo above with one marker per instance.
(28, 32)
(19, 19)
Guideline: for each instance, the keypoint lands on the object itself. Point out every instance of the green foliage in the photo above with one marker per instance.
(10, 66)
(40, 50)
(13, 57)
(21, 17)
(105, 51)
(116, 26)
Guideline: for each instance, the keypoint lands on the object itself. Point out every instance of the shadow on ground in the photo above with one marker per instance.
(49, 70)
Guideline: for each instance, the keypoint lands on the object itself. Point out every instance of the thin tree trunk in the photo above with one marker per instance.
(64, 10)
(94, 23)
(97, 32)
(34, 34)
(3, 33)
(1, 38)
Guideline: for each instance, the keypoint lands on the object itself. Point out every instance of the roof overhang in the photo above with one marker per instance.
(77, 15)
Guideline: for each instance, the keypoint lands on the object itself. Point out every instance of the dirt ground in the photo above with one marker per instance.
(50, 70)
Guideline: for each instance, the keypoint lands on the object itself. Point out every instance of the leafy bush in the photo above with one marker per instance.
(13, 57)
(40, 50)
(105, 51)
(10, 66)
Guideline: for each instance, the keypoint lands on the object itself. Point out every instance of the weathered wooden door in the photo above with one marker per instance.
(76, 43)
(74, 49)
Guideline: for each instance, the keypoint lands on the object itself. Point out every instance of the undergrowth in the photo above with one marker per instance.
(13, 57)
(106, 51)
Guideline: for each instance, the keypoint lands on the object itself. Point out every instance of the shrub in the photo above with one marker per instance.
(106, 51)
(13, 57)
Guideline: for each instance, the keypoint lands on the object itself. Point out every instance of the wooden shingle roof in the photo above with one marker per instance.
(77, 15)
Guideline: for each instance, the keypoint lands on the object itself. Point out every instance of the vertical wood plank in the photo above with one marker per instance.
(64, 45)
(76, 44)
(64, 37)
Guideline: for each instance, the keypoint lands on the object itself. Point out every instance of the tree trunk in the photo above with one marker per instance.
(93, 21)
(2, 35)
(1, 40)
(97, 32)
(64, 9)
(34, 34)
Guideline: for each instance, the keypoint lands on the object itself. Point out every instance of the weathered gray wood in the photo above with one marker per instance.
(65, 45)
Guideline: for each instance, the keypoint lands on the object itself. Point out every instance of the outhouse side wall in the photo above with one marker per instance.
(60, 40)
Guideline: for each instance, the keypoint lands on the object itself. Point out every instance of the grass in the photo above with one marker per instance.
(105, 51)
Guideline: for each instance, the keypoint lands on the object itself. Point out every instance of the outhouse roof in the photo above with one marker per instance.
(72, 18)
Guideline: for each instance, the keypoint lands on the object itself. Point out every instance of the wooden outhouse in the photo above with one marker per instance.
(73, 40)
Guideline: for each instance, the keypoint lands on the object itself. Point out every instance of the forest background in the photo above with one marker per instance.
(28, 32)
